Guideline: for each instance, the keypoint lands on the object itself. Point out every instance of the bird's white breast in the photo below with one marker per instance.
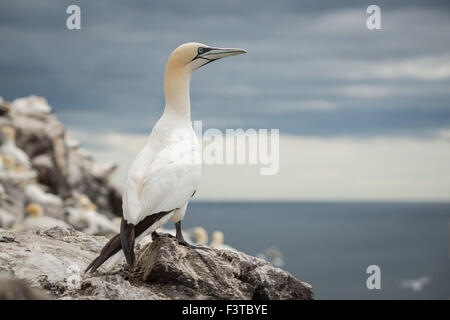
(165, 173)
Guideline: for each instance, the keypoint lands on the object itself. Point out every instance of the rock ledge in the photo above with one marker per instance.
(53, 260)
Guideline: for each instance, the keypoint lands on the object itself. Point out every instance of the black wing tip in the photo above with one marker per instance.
(127, 237)
(93, 266)
(111, 247)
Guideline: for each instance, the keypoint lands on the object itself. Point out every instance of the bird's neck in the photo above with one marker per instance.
(9, 142)
(176, 90)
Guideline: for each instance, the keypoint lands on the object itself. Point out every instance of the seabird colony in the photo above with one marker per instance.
(166, 172)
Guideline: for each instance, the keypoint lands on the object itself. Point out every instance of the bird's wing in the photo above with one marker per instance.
(165, 184)
(21, 157)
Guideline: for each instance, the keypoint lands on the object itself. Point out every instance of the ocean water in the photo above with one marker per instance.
(330, 245)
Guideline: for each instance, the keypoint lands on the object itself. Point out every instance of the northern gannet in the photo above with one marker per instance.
(5, 107)
(71, 143)
(6, 219)
(11, 171)
(415, 284)
(9, 148)
(35, 194)
(167, 170)
(272, 255)
(217, 241)
(36, 220)
(86, 217)
(102, 170)
(31, 106)
(200, 235)
(3, 194)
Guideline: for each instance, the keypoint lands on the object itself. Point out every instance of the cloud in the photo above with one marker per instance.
(306, 59)
(315, 168)
(363, 114)
(290, 106)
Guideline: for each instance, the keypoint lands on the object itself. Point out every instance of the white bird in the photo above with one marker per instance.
(415, 284)
(31, 106)
(6, 219)
(3, 194)
(5, 107)
(71, 143)
(36, 194)
(166, 172)
(36, 220)
(86, 216)
(102, 170)
(200, 235)
(272, 255)
(217, 238)
(9, 148)
(10, 171)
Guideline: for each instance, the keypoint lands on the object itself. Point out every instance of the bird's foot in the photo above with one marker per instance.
(156, 235)
(191, 246)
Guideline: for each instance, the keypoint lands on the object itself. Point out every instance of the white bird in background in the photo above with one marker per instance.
(6, 219)
(31, 106)
(10, 171)
(9, 148)
(36, 194)
(272, 255)
(166, 172)
(217, 238)
(71, 143)
(3, 194)
(102, 170)
(36, 220)
(85, 216)
(5, 107)
(415, 284)
(200, 235)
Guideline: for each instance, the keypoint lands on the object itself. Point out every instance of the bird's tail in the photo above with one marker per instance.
(127, 240)
(112, 247)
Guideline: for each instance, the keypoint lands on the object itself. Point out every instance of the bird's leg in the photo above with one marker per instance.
(155, 235)
(180, 238)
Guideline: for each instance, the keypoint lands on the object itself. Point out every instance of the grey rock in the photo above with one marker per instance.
(217, 274)
(16, 289)
(53, 260)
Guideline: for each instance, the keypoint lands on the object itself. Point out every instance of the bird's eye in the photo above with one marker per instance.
(201, 50)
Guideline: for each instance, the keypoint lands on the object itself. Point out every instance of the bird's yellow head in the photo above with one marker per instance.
(85, 203)
(182, 62)
(193, 55)
(7, 132)
(217, 238)
(34, 210)
(8, 162)
(201, 236)
(8, 106)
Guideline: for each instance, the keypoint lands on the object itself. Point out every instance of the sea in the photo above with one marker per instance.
(331, 245)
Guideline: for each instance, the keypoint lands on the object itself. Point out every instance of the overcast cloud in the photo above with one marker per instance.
(313, 70)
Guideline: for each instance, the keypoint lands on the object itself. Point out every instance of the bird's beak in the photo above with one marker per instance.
(218, 53)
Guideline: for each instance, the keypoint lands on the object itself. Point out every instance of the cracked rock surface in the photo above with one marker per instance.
(53, 261)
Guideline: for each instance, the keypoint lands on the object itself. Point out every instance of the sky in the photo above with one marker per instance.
(362, 114)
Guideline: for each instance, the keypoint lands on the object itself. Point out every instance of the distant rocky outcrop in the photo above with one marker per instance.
(58, 162)
(53, 260)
